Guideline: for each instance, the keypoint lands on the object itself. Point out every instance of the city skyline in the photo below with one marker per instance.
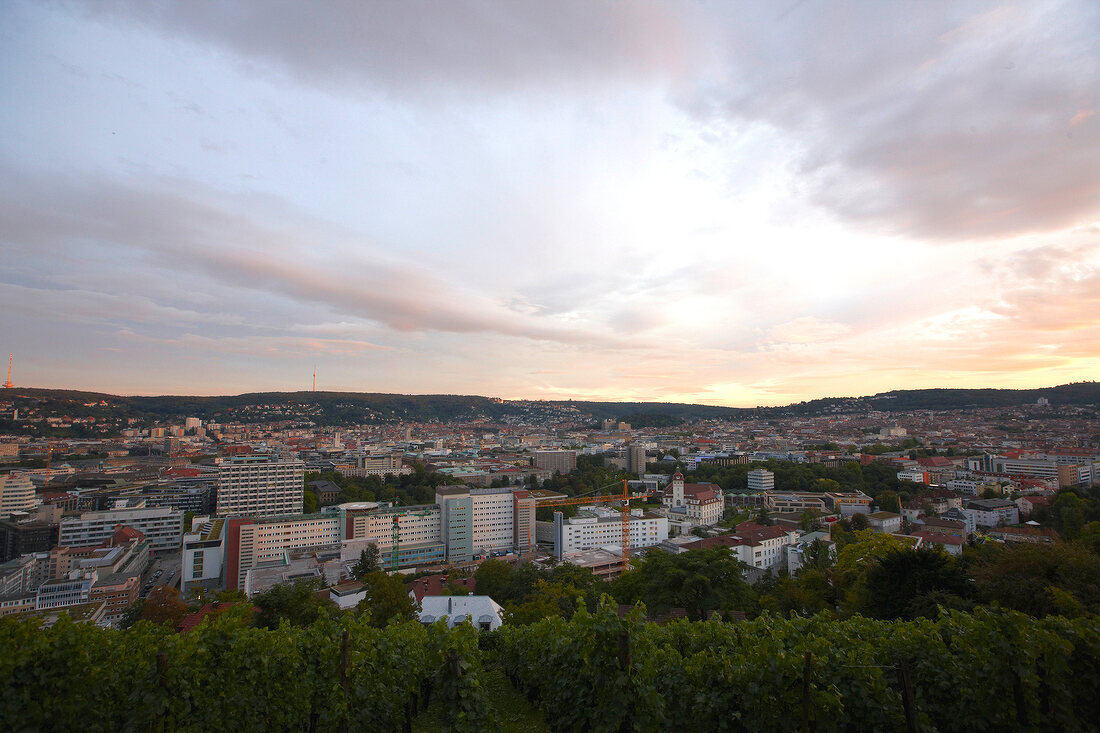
(744, 205)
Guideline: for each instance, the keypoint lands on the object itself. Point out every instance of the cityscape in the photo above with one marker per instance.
(573, 366)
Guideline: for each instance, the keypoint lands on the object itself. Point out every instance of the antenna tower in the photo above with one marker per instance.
(8, 384)
(314, 377)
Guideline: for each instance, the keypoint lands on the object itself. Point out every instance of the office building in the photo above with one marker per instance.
(16, 494)
(761, 480)
(163, 527)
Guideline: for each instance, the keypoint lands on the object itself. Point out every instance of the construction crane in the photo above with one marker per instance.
(395, 534)
(575, 500)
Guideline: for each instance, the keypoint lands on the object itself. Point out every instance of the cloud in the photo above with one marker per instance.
(947, 124)
(417, 44)
(248, 244)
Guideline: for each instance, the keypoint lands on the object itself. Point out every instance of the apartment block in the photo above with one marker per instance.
(603, 527)
(254, 543)
(260, 486)
(561, 461)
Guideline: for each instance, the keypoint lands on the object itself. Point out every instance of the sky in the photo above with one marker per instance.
(750, 203)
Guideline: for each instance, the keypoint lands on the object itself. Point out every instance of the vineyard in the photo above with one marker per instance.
(990, 670)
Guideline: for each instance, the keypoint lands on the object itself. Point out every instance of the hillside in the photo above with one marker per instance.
(343, 408)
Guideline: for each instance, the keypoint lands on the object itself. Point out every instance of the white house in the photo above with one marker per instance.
(484, 613)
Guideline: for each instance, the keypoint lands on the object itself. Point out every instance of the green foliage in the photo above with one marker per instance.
(1037, 579)
(296, 603)
(225, 675)
(990, 670)
(386, 599)
(369, 562)
(912, 583)
(310, 505)
(701, 581)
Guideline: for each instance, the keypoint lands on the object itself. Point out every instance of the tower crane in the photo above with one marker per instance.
(395, 534)
(625, 509)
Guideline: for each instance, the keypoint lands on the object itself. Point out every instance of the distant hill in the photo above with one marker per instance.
(342, 408)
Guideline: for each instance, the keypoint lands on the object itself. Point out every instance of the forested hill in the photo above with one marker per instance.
(341, 408)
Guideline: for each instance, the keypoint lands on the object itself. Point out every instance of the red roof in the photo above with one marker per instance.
(432, 585)
(939, 538)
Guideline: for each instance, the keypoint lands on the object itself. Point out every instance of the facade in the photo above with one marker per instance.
(701, 504)
(203, 558)
(885, 522)
(419, 533)
(163, 527)
(993, 512)
(23, 536)
(260, 486)
(493, 520)
(797, 502)
(252, 543)
(761, 480)
(382, 464)
(562, 461)
(16, 494)
(603, 527)
(636, 459)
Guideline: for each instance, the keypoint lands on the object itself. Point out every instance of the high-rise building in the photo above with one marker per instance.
(16, 494)
(260, 486)
(635, 459)
(562, 461)
(761, 480)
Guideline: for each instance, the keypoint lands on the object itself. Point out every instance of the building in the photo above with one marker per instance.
(456, 509)
(260, 486)
(885, 522)
(203, 555)
(949, 543)
(416, 529)
(373, 464)
(255, 543)
(761, 480)
(482, 611)
(796, 502)
(636, 459)
(560, 461)
(760, 547)
(993, 512)
(798, 551)
(16, 494)
(163, 527)
(600, 526)
(23, 536)
(701, 504)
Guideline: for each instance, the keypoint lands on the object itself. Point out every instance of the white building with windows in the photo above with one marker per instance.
(260, 486)
(600, 526)
(16, 494)
(162, 527)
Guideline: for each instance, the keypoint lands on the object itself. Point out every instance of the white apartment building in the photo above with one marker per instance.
(602, 527)
(260, 486)
(16, 494)
(162, 527)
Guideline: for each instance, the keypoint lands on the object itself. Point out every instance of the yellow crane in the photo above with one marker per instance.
(577, 500)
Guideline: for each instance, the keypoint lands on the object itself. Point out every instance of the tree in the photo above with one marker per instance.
(164, 606)
(386, 599)
(859, 522)
(492, 579)
(309, 502)
(368, 561)
(810, 520)
(912, 583)
(887, 501)
(296, 602)
(700, 581)
(763, 518)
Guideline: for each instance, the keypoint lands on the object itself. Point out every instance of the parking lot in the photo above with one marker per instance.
(164, 570)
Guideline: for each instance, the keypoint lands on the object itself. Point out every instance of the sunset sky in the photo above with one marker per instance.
(715, 202)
